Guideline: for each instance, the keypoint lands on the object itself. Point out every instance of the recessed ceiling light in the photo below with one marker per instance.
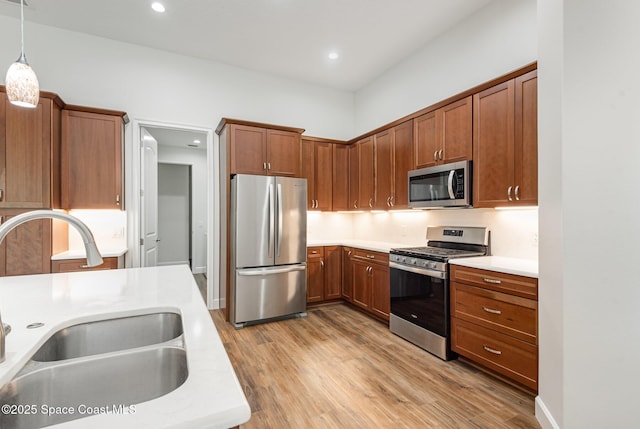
(196, 141)
(158, 7)
(333, 55)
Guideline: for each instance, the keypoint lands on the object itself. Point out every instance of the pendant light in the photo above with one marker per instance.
(21, 81)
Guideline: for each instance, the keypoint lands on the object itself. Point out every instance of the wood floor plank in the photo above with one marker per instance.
(339, 368)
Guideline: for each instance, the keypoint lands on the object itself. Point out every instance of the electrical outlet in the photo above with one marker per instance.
(118, 233)
(534, 240)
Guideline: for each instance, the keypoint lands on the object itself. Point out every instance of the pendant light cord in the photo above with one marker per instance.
(22, 26)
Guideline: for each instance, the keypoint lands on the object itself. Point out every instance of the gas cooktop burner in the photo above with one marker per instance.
(436, 253)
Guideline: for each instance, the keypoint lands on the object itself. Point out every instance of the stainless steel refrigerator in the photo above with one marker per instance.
(268, 248)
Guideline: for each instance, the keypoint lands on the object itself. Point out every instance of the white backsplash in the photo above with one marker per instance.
(109, 228)
(514, 233)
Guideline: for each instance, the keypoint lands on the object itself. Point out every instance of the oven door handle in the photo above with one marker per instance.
(417, 270)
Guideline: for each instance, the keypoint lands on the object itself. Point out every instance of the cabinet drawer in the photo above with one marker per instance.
(315, 252)
(501, 353)
(526, 287)
(371, 256)
(70, 265)
(511, 315)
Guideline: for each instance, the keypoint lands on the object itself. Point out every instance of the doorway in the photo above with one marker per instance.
(177, 177)
(174, 215)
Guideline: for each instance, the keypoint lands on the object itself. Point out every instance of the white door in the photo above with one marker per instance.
(149, 200)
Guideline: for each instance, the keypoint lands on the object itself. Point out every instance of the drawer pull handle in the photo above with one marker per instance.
(492, 281)
(414, 316)
(491, 310)
(490, 350)
(371, 257)
(313, 252)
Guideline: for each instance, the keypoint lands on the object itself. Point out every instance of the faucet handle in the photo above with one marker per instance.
(7, 328)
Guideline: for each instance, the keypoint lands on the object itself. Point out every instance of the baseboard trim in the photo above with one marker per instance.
(543, 415)
(199, 270)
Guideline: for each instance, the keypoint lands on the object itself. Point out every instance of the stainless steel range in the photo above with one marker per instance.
(420, 285)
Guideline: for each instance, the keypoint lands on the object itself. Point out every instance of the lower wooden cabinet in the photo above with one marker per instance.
(71, 265)
(324, 273)
(494, 322)
(369, 272)
(27, 248)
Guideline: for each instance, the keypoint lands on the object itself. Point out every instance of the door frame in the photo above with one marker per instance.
(133, 185)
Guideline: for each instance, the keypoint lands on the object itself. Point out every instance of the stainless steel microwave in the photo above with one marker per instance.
(447, 185)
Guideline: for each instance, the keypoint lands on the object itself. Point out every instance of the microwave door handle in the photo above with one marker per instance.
(452, 195)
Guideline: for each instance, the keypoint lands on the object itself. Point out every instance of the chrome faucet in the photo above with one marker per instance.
(93, 255)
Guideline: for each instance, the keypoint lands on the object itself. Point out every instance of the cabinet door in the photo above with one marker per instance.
(361, 283)
(493, 112)
(324, 178)
(347, 285)
(71, 265)
(426, 144)
(456, 124)
(403, 162)
(309, 171)
(284, 153)
(315, 274)
(354, 177)
(340, 193)
(248, 146)
(27, 248)
(383, 170)
(92, 174)
(366, 183)
(380, 291)
(25, 154)
(526, 140)
(333, 272)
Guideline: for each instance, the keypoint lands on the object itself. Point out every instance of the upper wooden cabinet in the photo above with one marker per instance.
(366, 174)
(505, 158)
(444, 135)
(354, 176)
(317, 168)
(261, 150)
(394, 159)
(340, 194)
(92, 160)
(30, 153)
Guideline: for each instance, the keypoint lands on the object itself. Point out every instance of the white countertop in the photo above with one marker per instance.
(377, 246)
(80, 253)
(520, 267)
(211, 397)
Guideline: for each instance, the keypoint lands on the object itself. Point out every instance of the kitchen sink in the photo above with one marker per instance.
(103, 336)
(101, 383)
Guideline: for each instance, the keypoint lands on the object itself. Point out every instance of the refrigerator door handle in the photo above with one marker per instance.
(271, 220)
(279, 199)
(268, 271)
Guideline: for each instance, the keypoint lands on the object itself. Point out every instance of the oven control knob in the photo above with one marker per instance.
(413, 261)
(432, 265)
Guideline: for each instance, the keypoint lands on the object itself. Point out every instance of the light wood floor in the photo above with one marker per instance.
(338, 368)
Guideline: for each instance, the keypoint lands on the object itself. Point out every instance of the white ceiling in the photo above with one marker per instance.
(288, 38)
(178, 138)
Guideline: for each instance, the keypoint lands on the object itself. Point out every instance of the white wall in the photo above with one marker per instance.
(165, 87)
(514, 233)
(495, 40)
(174, 215)
(549, 403)
(198, 160)
(589, 77)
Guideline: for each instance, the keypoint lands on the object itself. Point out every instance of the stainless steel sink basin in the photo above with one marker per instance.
(110, 335)
(117, 379)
